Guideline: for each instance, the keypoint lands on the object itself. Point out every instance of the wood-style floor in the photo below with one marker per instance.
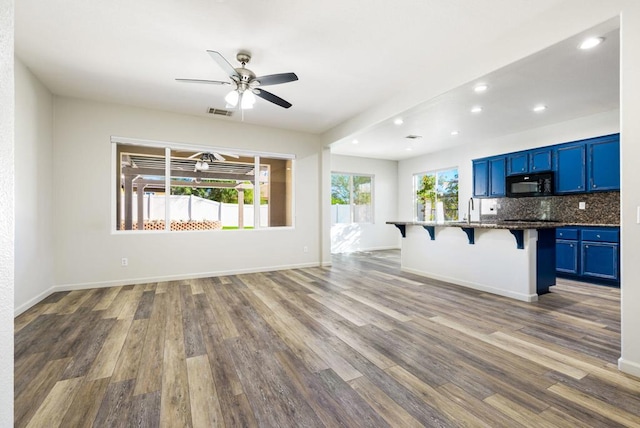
(356, 344)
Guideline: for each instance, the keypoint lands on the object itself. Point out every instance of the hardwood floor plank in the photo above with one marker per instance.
(107, 358)
(129, 359)
(149, 377)
(391, 411)
(88, 348)
(223, 370)
(268, 389)
(30, 397)
(107, 299)
(193, 342)
(605, 409)
(145, 410)
(115, 407)
(516, 412)
(85, 406)
(205, 407)
(175, 409)
(53, 408)
(483, 412)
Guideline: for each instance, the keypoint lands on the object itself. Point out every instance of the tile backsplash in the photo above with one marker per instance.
(600, 208)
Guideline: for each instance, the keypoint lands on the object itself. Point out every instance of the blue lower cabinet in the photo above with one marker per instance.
(567, 256)
(599, 260)
(590, 254)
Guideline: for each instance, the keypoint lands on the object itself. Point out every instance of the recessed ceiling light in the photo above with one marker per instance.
(481, 87)
(539, 108)
(408, 149)
(355, 142)
(591, 42)
(398, 121)
(454, 133)
(476, 109)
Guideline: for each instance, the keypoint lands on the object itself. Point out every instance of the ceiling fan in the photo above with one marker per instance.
(247, 85)
(206, 157)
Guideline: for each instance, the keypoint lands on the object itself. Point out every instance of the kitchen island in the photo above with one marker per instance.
(510, 258)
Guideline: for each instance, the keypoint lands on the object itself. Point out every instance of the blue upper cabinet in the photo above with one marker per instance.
(570, 168)
(480, 178)
(489, 177)
(518, 163)
(604, 163)
(536, 160)
(580, 166)
(497, 176)
(540, 160)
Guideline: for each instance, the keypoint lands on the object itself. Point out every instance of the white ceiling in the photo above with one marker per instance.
(349, 55)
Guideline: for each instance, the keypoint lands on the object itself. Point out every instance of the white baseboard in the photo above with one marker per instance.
(132, 281)
(630, 367)
(481, 287)
(37, 299)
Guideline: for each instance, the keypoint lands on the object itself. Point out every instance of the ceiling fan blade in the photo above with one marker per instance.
(218, 156)
(276, 79)
(195, 155)
(211, 82)
(272, 98)
(224, 64)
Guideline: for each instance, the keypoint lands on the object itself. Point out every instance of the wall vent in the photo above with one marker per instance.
(413, 137)
(220, 112)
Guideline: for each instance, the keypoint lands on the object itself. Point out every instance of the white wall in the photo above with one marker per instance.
(630, 182)
(376, 235)
(7, 165)
(89, 254)
(34, 256)
(591, 126)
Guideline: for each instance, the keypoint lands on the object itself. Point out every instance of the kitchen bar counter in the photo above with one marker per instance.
(484, 257)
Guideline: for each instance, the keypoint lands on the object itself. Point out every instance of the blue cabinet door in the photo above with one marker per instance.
(518, 163)
(570, 168)
(540, 160)
(599, 260)
(604, 164)
(480, 178)
(567, 256)
(497, 177)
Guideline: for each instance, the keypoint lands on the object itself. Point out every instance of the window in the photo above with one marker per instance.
(212, 189)
(351, 198)
(436, 195)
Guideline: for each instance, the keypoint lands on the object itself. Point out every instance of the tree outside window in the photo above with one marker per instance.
(436, 191)
(351, 198)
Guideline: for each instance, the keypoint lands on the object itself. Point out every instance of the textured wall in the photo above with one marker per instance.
(6, 212)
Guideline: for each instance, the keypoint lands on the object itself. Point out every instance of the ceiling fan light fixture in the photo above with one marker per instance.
(248, 100)
(232, 98)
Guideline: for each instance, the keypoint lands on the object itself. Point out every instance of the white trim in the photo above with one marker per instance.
(198, 148)
(33, 301)
(629, 367)
(518, 296)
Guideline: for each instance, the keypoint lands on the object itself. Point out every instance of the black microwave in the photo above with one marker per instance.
(538, 184)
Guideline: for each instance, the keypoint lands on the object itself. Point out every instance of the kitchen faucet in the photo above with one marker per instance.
(469, 209)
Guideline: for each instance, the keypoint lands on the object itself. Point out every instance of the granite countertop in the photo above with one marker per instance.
(498, 224)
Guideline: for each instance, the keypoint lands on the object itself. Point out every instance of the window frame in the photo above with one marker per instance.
(415, 187)
(168, 147)
(351, 198)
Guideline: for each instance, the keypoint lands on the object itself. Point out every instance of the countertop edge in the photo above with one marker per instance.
(499, 225)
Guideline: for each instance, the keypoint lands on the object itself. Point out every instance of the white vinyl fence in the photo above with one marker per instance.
(342, 214)
(189, 207)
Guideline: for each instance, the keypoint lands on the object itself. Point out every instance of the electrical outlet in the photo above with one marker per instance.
(582, 205)
(305, 249)
(124, 262)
